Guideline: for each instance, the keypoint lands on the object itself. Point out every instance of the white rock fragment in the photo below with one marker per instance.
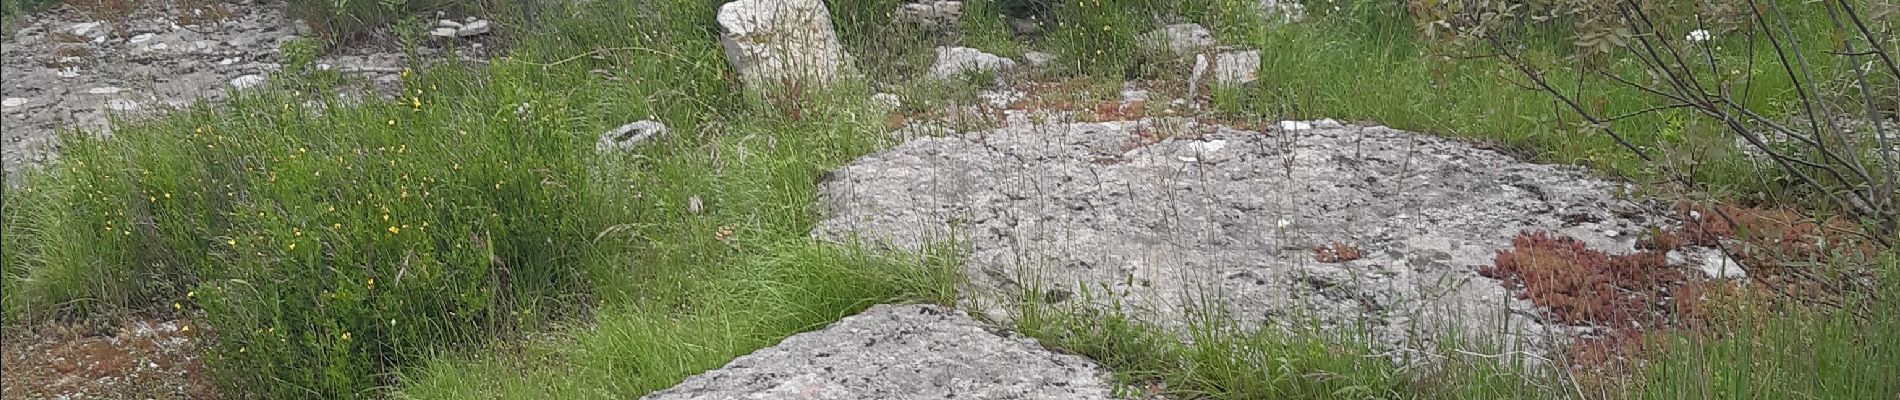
(479, 27)
(90, 29)
(105, 90)
(1237, 67)
(1295, 125)
(1038, 59)
(248, 81)
(443, 32)
(12, 102)
(141, 38)
(629, 136)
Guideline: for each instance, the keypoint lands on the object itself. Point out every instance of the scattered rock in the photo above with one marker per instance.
(449, 23)
(886, 100)
(1179, 39)
(1228, 219)
(931, 15)
(141, 38)
(1295, 125)
(12, 102)
(773, 41)
(628, 137)
(248, 81)
(953, 62)
(900, 352)
(1237, 67)
(479, 27)
(91, 29)
(105, 90)
(1038, 59)
(442, 32)
(1711, 262)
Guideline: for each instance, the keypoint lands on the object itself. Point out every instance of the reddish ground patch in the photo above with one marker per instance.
(137, 358)
(1335, 253)
(1630, 299)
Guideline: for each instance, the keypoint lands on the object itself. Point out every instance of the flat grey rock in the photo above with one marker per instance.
(1090, 212)
(900, 352)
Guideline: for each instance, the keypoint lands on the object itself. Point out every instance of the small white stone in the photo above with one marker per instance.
(448, 23)
(158, 46)
(1720, 266)
(472, 29)
(12, 102)
(105, 90)
(141, 38)
(1295, 125)
(69, 72)
(1699, 35)
(1610, 233)
(442, 32)
(89, 29)
(248, 81)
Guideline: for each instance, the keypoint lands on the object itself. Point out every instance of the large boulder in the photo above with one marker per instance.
(773, 42)
(900, 352)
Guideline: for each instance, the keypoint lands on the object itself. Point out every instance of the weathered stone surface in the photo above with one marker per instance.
(1237, 67)
(1179, 39)
(1229, 219)
(899, 352)
(954, 62)
(145, 64)
(771, 42)
(931, 15)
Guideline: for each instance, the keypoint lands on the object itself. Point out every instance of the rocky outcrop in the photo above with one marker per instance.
(900, 352)
(1253, 222)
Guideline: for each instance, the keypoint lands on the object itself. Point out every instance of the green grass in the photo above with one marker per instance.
(546, 270)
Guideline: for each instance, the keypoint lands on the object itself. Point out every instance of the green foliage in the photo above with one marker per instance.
(299, 53)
